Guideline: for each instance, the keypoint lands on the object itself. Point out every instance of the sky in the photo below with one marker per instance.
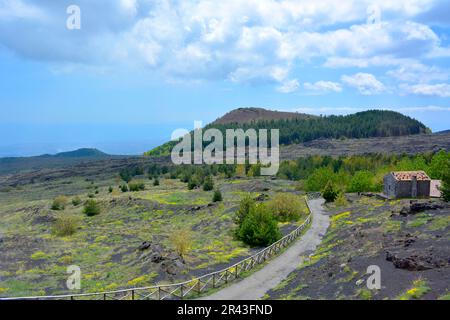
(135, 70)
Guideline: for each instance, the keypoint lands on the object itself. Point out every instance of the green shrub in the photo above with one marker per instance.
(125, 175)
(156, 182)
(285, 207)
(341, 200)
(110, 189)
(135, 186)
(65, 226)
(59, 203)
(217, 196)
(76, 201)
(91, 208)
(362, 181)
(39, 255)
(329, 194)
(445, 188)
(246, 205)
(91, 196)
(318, 180)
(259, 227)
(208, 184)
(194, 182)
(124, 188)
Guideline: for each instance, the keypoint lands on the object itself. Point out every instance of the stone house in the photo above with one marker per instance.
(407, 184)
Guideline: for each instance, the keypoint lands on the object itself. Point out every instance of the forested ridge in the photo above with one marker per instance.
(367, 124)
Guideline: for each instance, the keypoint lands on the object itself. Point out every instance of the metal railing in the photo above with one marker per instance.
(194, 287)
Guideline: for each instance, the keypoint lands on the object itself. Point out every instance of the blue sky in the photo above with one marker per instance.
(138, 69)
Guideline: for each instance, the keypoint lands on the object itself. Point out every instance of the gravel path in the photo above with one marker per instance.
(257, 284)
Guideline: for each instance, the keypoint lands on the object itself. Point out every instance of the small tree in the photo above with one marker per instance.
(246, 205)
(91, 208)
(208, 184)
(341, 200)
(135, 186)
(445, 188)
(76, 201)
(110, 189)
(125, 175)
(259, 227)
(156, 182)
(362, 181)
(65, 226)
(217, 197)
(285, 207)
(181, 241)
(59, 203)
(124, 188)
(193, 183)
(329, 194)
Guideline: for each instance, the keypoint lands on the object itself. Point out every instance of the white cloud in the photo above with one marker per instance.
(235, 40)
(375, 61)
(130, 6)
(322, 87)
(366, 83)
(18, 9)
(418, 72)
(289, 86)
(439, 90)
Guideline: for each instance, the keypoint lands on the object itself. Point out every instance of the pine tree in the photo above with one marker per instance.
(329, 194)
(217, 197)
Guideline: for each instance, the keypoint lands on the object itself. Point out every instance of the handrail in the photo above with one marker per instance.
(183, 289)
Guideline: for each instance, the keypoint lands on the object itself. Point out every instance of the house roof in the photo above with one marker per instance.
(408, 175)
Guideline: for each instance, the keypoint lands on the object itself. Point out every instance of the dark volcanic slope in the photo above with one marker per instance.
(247, 115)
(390, 145)
(63, 159)
(93, 169)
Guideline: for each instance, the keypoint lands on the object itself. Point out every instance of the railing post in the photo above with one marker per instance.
(132, 294)
(159, 293)
(214, 280)
(181, 292)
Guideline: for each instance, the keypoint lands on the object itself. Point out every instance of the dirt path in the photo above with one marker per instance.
(256, 285)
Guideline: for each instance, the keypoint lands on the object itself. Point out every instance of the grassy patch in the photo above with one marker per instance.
(39, 255)
(419, 221)
(419, 289)
(364, 294)
(392, 226)
(439, 223)
(445, 297)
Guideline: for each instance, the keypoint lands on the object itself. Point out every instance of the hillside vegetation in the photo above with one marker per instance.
(374, 123)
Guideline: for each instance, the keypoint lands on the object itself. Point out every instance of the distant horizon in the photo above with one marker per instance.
(137, 139)
(129, 72)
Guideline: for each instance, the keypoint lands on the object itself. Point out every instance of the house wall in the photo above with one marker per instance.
(402, 189)
(423, 188)
(389, 186)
